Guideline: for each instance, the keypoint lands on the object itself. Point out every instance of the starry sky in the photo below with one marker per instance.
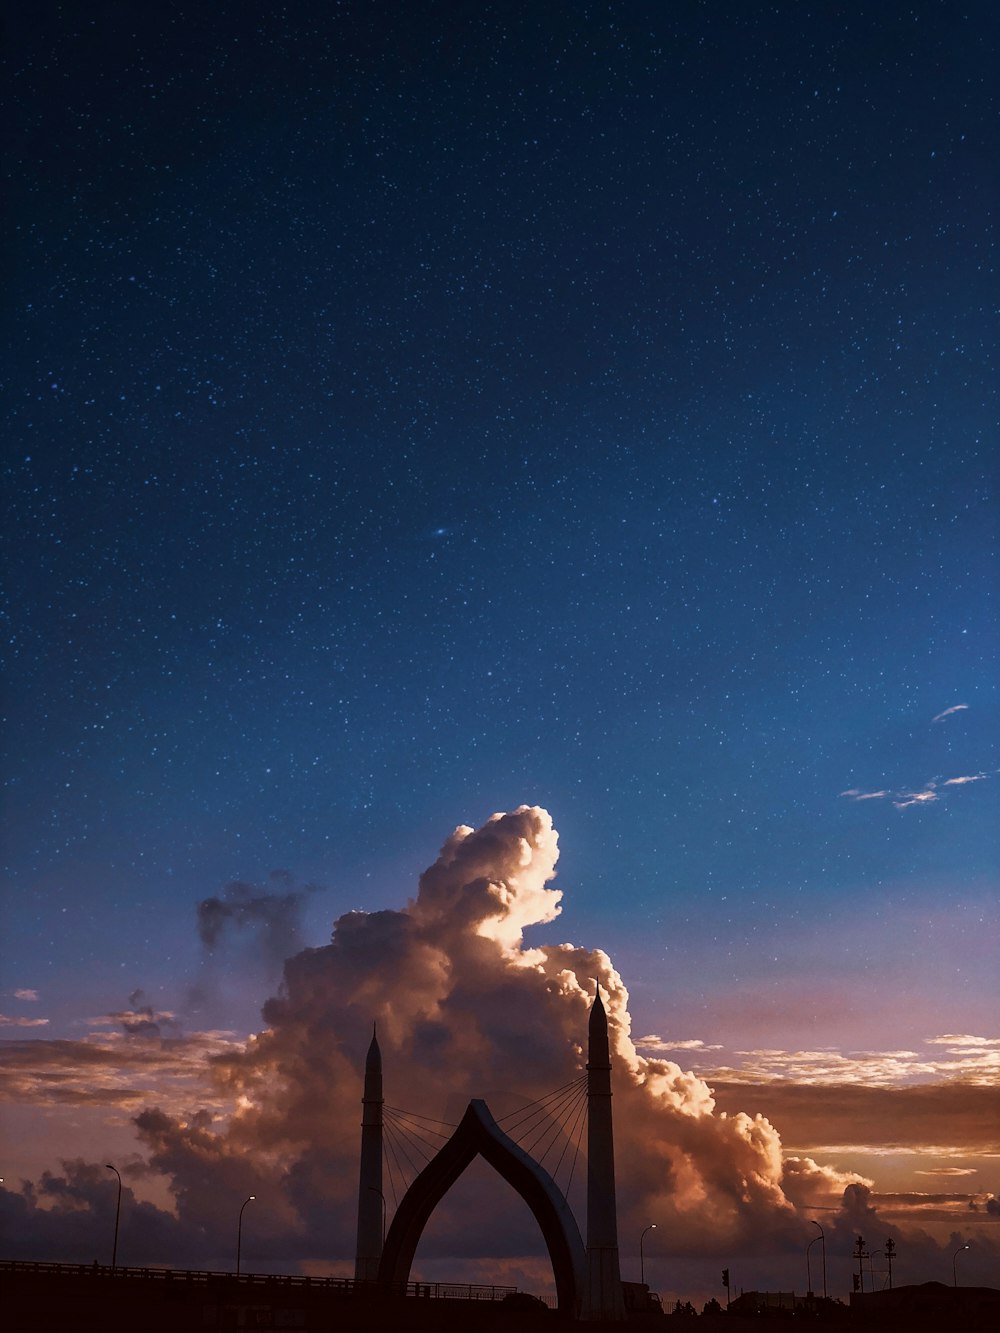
(415, 411)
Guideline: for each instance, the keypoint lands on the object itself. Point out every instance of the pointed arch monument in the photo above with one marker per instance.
(587, 1278)
(479, 1135)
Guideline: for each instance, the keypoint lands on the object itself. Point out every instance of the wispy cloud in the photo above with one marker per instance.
(139, 1021)
(912, 1207)
(113, 1070)
(7, 1022)
(663, 1044)
(949, 1171)
(946, 1123)
(908, 798)
(26, 994)
(968, 1060)
(926, 795)
(959, 1042)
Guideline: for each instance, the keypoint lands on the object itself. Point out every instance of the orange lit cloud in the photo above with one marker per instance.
(972, 1060)
(112, 1071)
(953, 1119)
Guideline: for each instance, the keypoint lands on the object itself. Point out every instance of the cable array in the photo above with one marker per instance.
(556, 1119)
(550, 1124)
(410, 1141)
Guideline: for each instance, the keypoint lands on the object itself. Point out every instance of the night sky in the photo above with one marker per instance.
(415, 411)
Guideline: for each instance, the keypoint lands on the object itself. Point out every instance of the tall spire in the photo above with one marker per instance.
(371, 1200)
(603, 1296)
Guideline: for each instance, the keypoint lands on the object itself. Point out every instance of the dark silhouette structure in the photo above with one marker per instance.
(479, 1135)
(603, 1295)
(371, 1200)
(588, 1279)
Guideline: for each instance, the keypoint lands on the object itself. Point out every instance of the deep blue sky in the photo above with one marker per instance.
(415, 410)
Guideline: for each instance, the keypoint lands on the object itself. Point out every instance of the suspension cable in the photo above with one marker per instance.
(554, 1119)
(529, 1111)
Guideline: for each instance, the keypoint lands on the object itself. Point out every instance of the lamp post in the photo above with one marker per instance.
(822, 1236)
(873, 1254)
(239, 1232)
(954, 1270)
(118, 1213)
(382, 1197)
(809, 1276)
(642, 1264)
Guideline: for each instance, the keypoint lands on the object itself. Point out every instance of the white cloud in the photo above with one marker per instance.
(908, 798)
(960, 1042)
(26, 994)
(661, 1044)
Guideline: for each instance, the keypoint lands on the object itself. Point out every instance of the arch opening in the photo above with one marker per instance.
(478, 1134)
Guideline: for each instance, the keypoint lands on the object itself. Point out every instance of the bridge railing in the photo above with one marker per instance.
(460, 1291)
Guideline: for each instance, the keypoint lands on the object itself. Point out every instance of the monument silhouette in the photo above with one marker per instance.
(371, 1200)
(588, 1278)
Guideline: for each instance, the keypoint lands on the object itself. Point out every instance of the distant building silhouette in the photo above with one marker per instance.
(931, 1304)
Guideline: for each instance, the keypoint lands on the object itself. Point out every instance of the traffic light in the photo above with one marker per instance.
(725, 1278)
(857, 1282)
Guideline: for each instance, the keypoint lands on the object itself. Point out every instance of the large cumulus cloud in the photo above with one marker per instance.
(464, 1007)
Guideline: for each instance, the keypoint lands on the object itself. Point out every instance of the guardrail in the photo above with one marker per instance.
(454, 1291)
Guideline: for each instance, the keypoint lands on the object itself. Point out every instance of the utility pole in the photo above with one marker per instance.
(860, 1253)
(890, 1250)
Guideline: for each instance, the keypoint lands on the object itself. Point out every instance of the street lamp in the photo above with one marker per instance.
(809, 1277)
(822, 1236)
(954, 1270)
(873, 1254)
(239, 1232)
(642, 1265)
(118, 1213)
